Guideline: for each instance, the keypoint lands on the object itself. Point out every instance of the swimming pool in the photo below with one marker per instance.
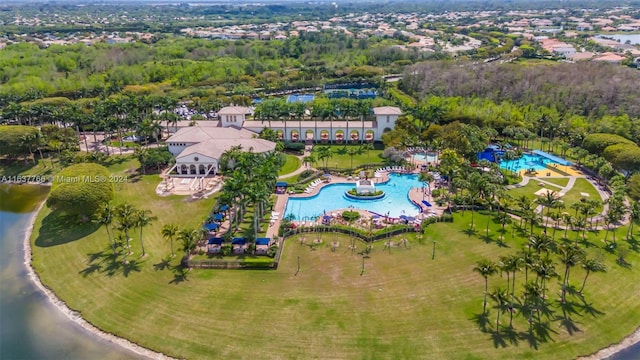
(527, 161)
(395, 202)
(428, 157)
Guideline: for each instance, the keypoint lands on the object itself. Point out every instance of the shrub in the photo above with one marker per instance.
(18, 140)
(598, 142)
(81, 189)
(624, 156)
(294, 146)
(350, 215)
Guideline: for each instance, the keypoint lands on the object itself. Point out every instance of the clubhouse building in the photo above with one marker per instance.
(198, 147)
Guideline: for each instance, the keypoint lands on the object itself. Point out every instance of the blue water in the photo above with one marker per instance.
(630, 353)
(425, 157)
(30, 326)
(527, 161)
(331, 197)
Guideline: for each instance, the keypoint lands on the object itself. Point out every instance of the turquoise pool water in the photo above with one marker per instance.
(527, 161)
(428, 157)
(395, 202)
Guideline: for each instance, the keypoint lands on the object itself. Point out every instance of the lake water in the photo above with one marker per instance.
(633, 38)
(30, 326)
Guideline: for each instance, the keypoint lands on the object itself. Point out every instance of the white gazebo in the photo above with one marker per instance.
(365, 186)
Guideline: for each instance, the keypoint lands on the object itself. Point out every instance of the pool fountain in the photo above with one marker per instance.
(364, 190)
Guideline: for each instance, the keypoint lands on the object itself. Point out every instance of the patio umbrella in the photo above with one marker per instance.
(218, 217)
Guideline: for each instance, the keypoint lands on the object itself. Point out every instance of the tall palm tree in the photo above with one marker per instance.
(189, 239)
(591, 265)
(550, 201)
(169, 231)
(105, 218)
(570, 255)
(126, 215)
(485, 268)
(143, 218)
(500, 296)
(545, 270)
(532, 295)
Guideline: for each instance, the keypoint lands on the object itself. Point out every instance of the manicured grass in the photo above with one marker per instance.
(571, 197)
(341, 160)
(581, 186)
(291, 164)
(562, 182)
(405, 305)
(530, 189)
(20, 167)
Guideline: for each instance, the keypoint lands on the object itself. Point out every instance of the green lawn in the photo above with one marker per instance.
(581, 186)
(404, 305)
(571, 197)
(341, 160)
(42, 167)
(562, 182)
(291, 164)
(530, 189)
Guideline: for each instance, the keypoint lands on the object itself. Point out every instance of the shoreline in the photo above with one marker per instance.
(613, 349)
(75, 316)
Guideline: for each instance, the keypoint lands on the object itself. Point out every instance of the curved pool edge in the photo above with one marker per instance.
(365, 198)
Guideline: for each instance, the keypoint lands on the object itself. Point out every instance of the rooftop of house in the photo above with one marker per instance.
(387, 110)
(198, 134)
(215, 148)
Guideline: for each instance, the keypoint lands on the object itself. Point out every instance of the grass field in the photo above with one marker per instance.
(291, 164)
(404, 306)
(581, 186)
(562, 182)
(572, 196)
(341, 160)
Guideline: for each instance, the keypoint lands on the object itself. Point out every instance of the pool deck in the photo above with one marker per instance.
(415, 194)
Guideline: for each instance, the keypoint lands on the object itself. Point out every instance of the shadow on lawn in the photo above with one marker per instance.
(488, 239)
(107, 263)
(179, 272)
(58, 229)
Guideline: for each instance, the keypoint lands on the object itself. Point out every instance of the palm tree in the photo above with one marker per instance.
(189, 239)
(545, 270)
(524, 204)
(169, 231)
(550, 201)
(591, 265)
(105, 218)
(485, 268)
(125, 213)
(500, 296)
(143, 218)
(353, 152)
(532, 295)
(570, 255)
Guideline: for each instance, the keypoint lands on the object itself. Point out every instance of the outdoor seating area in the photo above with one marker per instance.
(398, 169)
(312, 186)
(214, 245)
(281, 187)
(262, 245)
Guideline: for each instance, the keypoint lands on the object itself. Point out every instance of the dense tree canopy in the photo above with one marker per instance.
(18, 140)
(81, 189)
(597, 143)
(587, 89)
(624, 157)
